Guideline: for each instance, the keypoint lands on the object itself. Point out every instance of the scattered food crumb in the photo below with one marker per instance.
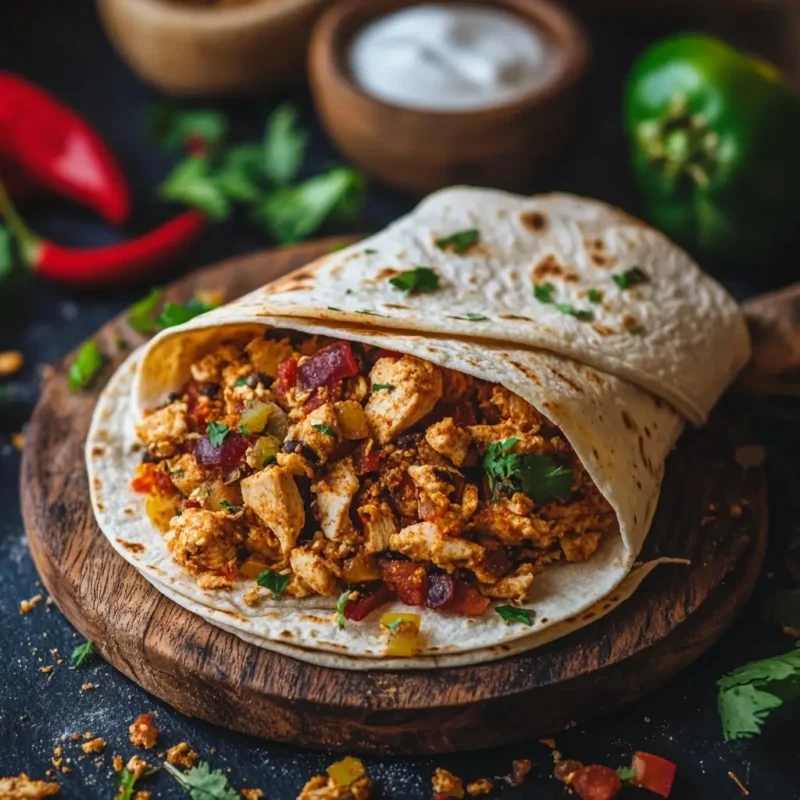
(742, 788)
(447, 784)
(24, 788)
(26, 606)
(47, 670)
(551, 743)
(253, 597)
(736, 510)
(519, 771)
(88, 687)
(211, 297)
(11, 362)
(647, 719)
(88, 735)
(252, 794)
(137, 766)
(118, 763)
(214, 751)
(18, 440)
(481, 786)
(143, 794)
(181, 755)
(347, 780)
(142, 731)
(94, 745)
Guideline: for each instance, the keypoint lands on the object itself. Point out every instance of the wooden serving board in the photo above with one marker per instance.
(712, 511)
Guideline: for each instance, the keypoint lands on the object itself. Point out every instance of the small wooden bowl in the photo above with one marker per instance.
(420, 151)
(184, 49)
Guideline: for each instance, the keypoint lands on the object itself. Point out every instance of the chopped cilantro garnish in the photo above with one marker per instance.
(273, 581)
(543, 292)
(176, 314)
(229, 506)
(333, 308)
(367, 312)
(341, 603)
(370, 252)
(81, 653)
(203, 783)
(326, 429)
(217, 431)
(537, 476)
(193, 183)
(748, 695)
(270, 460)
(141, 315)
(394, 624)
(584, 315)
(514, 614)
(174, 128)
(472, 317)
(126, 780)
(420, 279)
(626, 773)
(86, 365)
(459, 242)
(630, 277)
(240, 382)
(377, 387)
(595, 296)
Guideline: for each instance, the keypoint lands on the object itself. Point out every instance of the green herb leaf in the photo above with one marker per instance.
(284, 146)
(174, 128)
(270, 460)
(537, 476)
(394, 624)
(326, 429)
(631, 277)
(341, 619)
(513, 614)
(217, 431)
(203, 783)
(126, 780)
(626, 773)
(141, 315)
(379, 387)
(192, 183)
(176, 314)
(234, 509)
(273, 581)
(749, 694)
(579, 313)
(240, 174)
(8, 258)
(595, 297)
(86, 365)
(292, 213)
(420, 279)
(370, 252)
(543, 292)
(81, 653)
(459, 242)
(240, 382)
(333, 308)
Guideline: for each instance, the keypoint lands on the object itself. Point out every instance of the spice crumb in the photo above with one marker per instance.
(47, 670)
(18, 440)
(118, 763)
(93, 746)
(24, 787)
(11, 362)
(142, 731)
(481, 786)
(551, 743)
(252, 794)
(446, 783)
(181, 755)
(26, 606)
(143, 794)
(137, 766)
(88, 687)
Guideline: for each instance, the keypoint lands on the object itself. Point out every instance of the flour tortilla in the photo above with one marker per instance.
(621, 432)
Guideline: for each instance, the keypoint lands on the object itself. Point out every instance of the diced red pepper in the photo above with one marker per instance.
(285, 379)
(229, 455)
(369, 461)
(149, 478)
(409, 581)
(467, 601)
(356, 610)
(653, 773)
(596, 783)
(192, 504)
(327, 366)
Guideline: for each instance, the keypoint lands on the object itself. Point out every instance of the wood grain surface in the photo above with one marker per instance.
(712, 511)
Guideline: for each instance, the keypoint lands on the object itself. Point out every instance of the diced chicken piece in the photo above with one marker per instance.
(356, 388)
(259, 538)
(273, 494)
(297, 588)
(352, 420)
(314, 570)
(203, 540)
(512, 587)
(513, 408)
(424, 541)
(527, 442)
(186, 474)
(209, 368)
(267, 354)
(22, 787)
(164, 429)
(447, 439)
(416, 388)
(334, 494)
(295, 464)
(456, 385)
(578, 547)
(379, 526)
(512, 529)
(319, 431)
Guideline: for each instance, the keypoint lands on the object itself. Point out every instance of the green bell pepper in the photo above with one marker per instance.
(716, 148)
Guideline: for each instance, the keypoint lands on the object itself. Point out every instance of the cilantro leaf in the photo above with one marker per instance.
(217, 431)
(630, 277)
(326, 429)
(273, 581)
(203, 783)
(543, 292)
(229, 506)
(176, 314)
(578, 313)
(394, 624)
(141, 315)
(750, 693)
(291, 213)
(513, 614)
(81, 653)
(176, 128)
(459, 242)
(240, 174)
(192, 183)
(420, 279)
(378, 387)
(626, 773)
(284, 146)
(126, 780)
(86, 365)
(537, 476)
(595, 296)
(240, 382)
(341, 604)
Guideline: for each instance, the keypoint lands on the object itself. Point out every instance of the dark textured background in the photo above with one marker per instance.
(59, 44)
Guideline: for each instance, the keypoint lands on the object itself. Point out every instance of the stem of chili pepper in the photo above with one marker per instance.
(102, 265)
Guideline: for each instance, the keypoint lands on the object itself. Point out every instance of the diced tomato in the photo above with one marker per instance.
(145, 478)
(409, 581)
(464, 413)
(229, 455)
(327, 366)
(596, 783)
(467, 601)
(285, 379)
(192, 504)
(369, 461)
(322, 395)
(653, 773)
(356, 610)
(163, 485)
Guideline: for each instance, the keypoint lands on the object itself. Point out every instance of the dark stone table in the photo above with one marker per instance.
(60, 45)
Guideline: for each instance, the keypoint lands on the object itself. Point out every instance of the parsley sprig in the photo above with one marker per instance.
(203, 783)
(326, 429)
(81, 654)
(273, 581)
(341, 604)
(515, 614)
(537, 476)
(420, 280)
(544, 292)
(142, 314)
(217, 431)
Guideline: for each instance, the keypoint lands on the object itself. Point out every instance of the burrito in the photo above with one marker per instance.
(439, 446)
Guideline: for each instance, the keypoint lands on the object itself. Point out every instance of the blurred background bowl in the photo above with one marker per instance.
(421, 151)
(185, 49)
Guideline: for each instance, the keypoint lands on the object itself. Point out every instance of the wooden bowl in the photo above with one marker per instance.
(184, 49)
(420, 151)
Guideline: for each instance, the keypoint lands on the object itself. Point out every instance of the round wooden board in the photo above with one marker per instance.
(677, 613)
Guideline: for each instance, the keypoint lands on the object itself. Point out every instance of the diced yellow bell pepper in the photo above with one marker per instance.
(160, 510)
(346, 772)
(253, 567)
(403, 634)
(352, 420)
(361, 568)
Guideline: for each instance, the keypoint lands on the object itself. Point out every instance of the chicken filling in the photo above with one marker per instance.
(319, 466)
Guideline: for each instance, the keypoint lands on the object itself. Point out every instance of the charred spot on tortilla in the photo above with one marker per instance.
(399, 306)
(548, 267)
(98, 451)
(519, 317)
(628, 421)
(132, 547)
(603, 330)
(534, 221)
(386, 273)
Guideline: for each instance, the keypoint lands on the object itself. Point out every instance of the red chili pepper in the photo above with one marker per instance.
(596, 782)
(653, 773)
(102, 265)
(50, 145)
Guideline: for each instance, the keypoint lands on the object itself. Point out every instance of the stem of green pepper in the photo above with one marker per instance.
(28, 242)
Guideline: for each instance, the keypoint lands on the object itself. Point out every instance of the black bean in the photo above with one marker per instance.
(295, 446)
(254, 378)
(408, 441)
(148, 459)
(209, 389)
(173, 396)
(441, 588)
